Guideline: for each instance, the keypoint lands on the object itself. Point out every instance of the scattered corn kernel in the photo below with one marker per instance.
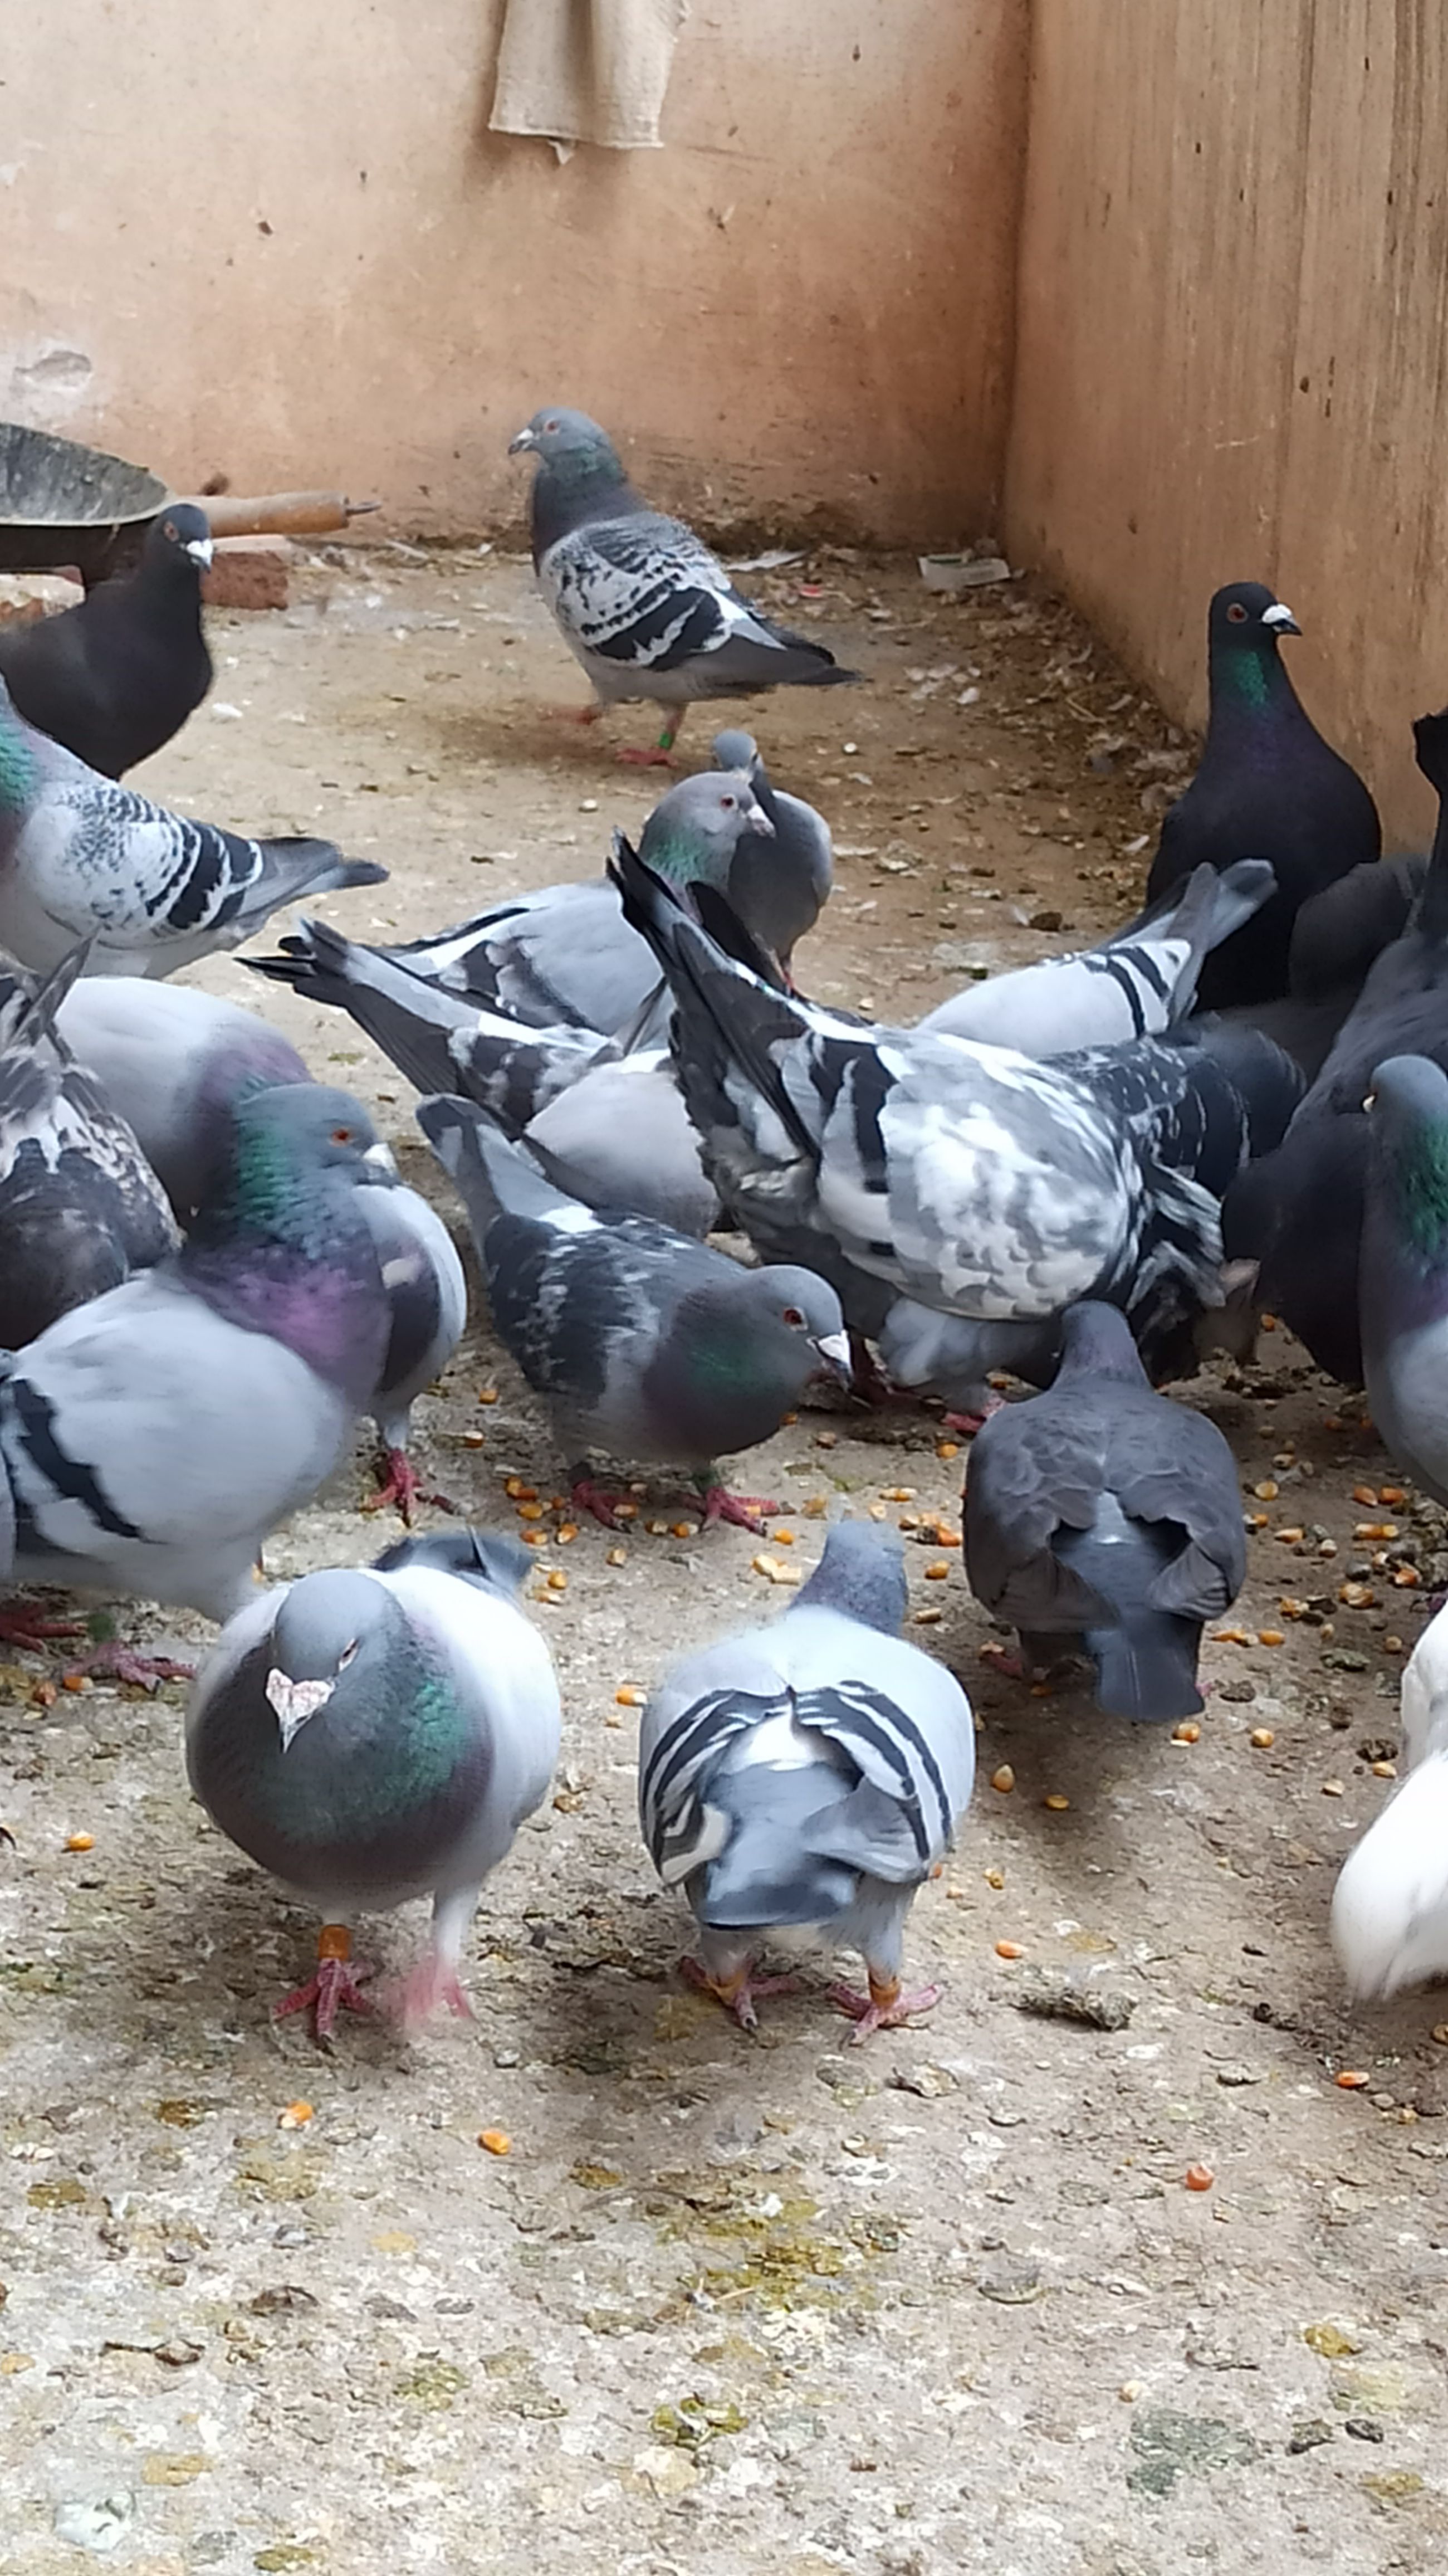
(827, 1440)
(1199, 2177)
(1376, 1529)
(1384, 1770)
(625, 1511)
(1270, 1637)
(877, 1511)
(1130, 2390)
(1365, 1493)
(1289, 1537)
(897, 1493)
(947, 1448)
(44, 1695)
(657, 1529)
(928, 1618)
(487, 1395)
(937, 1572)
(534, 1537)
(629, 1696)
(1332, 1422)
(1333, 1789)
(816, 1508)
(295, 2116)
(1057, 1804)
(992, 1652)
(1439, 2032)
(568, 1532)
(782, 1537)
(616, 1556)
(557, 1579)
(1268, 1322)
(80, 1842)
(1407, 1578)
(1004, 1779)
(910, 1521)
(529, 1511)
(1356, 1596)
(1327, 1547)
(1262, 1739)
(497, 2141)
(1393, 1496)
(1351, 2080)
(1266, 1492)
(1009, 1950)
(1187, 1733)
(1255, 1520)
(518, 1492)
(683, 1529)
(997, 1878)
(474, 1440)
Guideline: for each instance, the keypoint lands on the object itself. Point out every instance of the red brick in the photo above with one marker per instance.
(248, 572)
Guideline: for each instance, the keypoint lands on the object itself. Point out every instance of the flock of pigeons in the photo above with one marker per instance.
(1087, 1173)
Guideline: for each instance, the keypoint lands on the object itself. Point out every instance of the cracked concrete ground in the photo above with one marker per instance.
(942, 2303)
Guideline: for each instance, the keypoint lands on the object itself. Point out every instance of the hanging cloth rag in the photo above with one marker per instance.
(586, 71)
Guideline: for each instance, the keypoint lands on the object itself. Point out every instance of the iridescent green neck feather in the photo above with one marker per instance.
(1421, 1174)
(19, 768)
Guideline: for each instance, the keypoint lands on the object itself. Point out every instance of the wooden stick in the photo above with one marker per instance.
(292, 514)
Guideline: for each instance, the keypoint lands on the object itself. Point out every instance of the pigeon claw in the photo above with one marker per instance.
(334, 1986)
(885, 2007)
(399, 1485)
(430, 1984)
(25, 1624)
(738, 1993)
(654, 755)
(971, 1423)
(589, 1497)
(746, 1511)
(123, 1664)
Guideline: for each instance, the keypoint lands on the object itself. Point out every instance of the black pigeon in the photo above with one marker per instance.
(80, 1208)
(1102, 1511)
(640, 600)
(113, 678)
(1298, 1212)
(1268, 787)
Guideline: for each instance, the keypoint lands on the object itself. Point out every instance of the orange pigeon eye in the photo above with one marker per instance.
(1237, 613)
(792, 1315)
(342, 1136)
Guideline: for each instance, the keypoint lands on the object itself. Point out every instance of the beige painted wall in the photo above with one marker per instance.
(1233, 342)
(278, 242)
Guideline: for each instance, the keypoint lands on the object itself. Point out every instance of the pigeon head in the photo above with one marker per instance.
(328, 1624)
(735, 749)
(279, 1244)
(570, 444)
(1096, 1342)
(180, 537)
(692, 834)
(799, 1303)
(1408, 1158)
(1244, 626)
(861, 1574)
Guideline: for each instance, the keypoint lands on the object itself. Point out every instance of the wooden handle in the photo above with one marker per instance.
(290, 514)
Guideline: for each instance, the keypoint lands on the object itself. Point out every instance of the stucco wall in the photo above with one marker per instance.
(278, 242)
(1233, 342)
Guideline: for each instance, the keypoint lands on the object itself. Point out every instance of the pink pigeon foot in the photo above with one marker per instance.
(334, 1985)
(402, 1487)
(25, 1624)
(746, 1511)
(429, 1985)
(884, 2007)
(123, 1664)
(638, 756)
(589, 1497)
(971, 1423)
(737, 1994)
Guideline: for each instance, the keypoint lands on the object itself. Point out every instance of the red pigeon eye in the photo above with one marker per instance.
(728, 804)
(342, 1136)
(1237, 613)
(169, 529)
(548, 425)
(792, 1315)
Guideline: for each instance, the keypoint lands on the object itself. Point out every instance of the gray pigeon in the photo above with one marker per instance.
(967, 1176)
(373, 1736)
(778, 886)
(952, 1356)
(609, 1128)
(80, 1209)
(84, 859)
(806, 1777)
(1403, 1278)
(115, 677)
(640, 600)
(1103, 1511)
(1136, 984)
(175, 1062)
(150, 1439)
(561, 956)
(646, 1345)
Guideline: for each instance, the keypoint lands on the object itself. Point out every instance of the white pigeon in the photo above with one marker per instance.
(1390, 1905)
(805, 1778)
(371, 1735)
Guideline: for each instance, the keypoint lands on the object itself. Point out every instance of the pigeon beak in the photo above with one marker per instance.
(381, 1164)
(201, 550)
(1280, 619)
(760, 823)
(834, 1350)
(520, 445)
(295, 1702)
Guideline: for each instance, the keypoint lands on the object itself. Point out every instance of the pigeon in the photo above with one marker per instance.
(150, 1439)
(84, 859)
(1403, 1279)
(806, 1777)
(1390, 1905)
(80, 1208)
(638, 598)
(1267, 787)
(1105, 1511)
(371, 1735)
(1139, 982)
(113, 678)
(967, 1176)
(563, 956)
(953, 1356)
(1299, 1212)
(778, 885)
(175, 1062)
(645, 1344)
(609, 1128)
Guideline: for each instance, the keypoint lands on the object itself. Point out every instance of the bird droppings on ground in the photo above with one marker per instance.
(729, 2299)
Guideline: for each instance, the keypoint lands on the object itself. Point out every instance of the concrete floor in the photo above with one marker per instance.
(941, 2303)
